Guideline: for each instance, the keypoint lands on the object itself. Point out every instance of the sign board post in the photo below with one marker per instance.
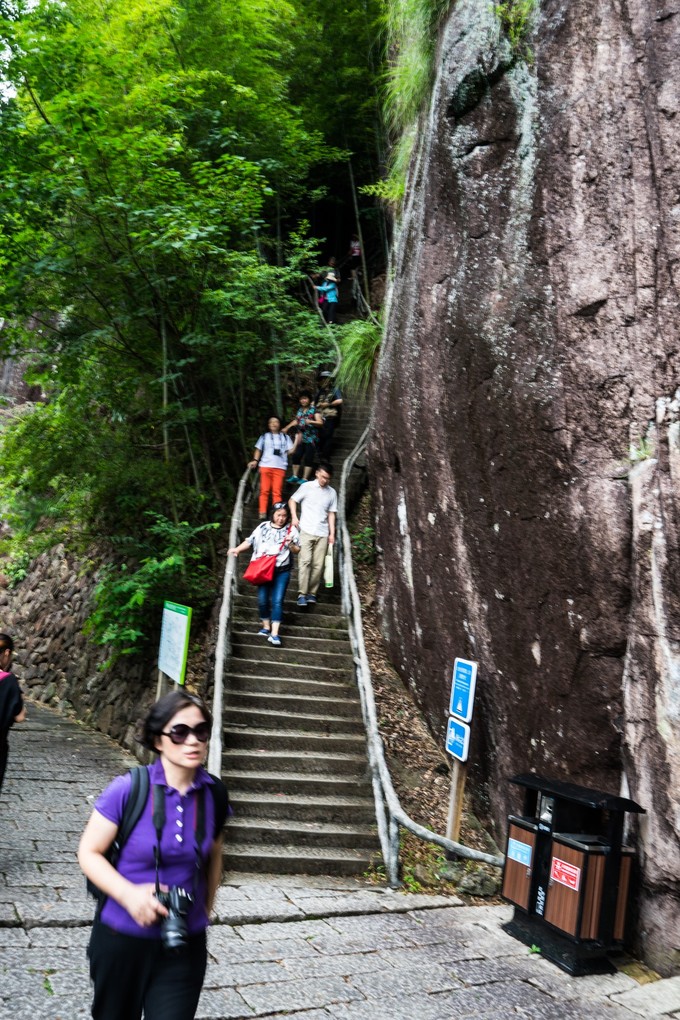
(461, 706)
(174, 644)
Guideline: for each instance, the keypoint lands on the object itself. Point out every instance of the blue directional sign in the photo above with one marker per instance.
(458, 739)
(463, 689)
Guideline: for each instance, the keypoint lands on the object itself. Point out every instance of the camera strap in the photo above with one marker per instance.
(159, 822)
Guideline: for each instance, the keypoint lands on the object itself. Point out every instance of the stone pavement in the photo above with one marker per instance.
(300, 948)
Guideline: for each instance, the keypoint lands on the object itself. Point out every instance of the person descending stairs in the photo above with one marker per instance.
(295, 758)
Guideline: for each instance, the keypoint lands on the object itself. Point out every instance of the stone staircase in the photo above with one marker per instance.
(295, 755)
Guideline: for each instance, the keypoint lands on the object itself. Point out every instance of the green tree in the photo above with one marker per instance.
(150, 152)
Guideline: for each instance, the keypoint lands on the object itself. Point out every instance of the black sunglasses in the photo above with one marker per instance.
(180, 732)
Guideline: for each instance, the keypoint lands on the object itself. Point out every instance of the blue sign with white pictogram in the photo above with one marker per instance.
(458, 739)
(520, 852)
(463, 689)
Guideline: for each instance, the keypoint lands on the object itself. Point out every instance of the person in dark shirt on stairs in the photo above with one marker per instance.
(12, 708)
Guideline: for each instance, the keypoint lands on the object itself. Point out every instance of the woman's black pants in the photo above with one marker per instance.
(132, 974)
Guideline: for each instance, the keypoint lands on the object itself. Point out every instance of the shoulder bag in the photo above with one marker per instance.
(261, 570)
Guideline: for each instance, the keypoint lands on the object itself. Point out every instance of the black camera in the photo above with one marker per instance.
(174, 927)
(277, 451)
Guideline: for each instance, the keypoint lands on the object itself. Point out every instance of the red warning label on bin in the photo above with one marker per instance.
(565, 874)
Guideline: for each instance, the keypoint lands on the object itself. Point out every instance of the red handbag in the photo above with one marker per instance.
(261, 570)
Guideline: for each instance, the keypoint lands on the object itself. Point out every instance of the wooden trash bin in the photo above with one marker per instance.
(519, 861)
(577, 873)
(568, 874)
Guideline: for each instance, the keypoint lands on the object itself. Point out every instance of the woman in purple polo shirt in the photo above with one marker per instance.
(130, 967)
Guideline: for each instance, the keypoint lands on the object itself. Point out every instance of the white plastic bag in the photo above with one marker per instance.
(328, 568)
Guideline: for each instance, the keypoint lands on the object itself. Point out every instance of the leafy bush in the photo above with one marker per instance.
(516, 17)
(359, 345)
(16, 567)
(363, 545)
(126, 596)
(411, 33)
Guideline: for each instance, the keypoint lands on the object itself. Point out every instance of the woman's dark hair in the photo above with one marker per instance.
(6, 642)
(304, 393)
(160, 714)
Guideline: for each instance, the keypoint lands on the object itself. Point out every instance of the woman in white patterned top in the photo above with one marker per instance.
(275, 536)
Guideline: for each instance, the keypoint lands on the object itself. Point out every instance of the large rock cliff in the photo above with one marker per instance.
(525, 452)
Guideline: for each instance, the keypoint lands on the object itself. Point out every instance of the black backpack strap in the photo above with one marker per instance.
(158, 810)
(134, 806)
(138, 795)
(158, 823)
(199, 828)
(221, 799)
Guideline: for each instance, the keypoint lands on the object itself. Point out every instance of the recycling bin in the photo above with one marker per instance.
(575, 890)
(567, 872)
(519, 860)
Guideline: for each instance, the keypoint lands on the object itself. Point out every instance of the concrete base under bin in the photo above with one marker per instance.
(576, 958)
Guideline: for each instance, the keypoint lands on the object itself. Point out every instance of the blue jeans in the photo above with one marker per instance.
(270, 596)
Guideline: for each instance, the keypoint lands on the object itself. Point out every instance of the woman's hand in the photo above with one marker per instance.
(252, 463)
(142, 906)
(233, 551)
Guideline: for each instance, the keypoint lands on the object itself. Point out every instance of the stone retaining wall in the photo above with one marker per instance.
(56, 663)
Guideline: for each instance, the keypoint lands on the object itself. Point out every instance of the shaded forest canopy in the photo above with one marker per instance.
(170, 170)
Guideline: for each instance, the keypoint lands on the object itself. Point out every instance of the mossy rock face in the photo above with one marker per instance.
(424, 876)
(453, 872)
(478, 883)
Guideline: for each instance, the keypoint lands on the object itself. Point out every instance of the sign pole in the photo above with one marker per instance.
(458, 777)
(461, 706)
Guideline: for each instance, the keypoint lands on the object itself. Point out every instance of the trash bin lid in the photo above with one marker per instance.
(577, 794)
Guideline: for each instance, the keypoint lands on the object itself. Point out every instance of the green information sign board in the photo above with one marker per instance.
(174, 645)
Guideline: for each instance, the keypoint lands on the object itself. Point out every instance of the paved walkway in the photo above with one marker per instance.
(300, 948)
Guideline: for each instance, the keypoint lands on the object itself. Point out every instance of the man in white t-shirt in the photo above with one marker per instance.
(317, 503)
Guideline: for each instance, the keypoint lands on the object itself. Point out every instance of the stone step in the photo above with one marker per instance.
(282, 667)
(329, 604)
(247, 600)
(297, 621)
(291, 685)
(284, 860)
(324, 615)
(293, 704)
(307, 719)
(316, 763)
(290, 832)
(298, 783)
(248, 737)
(348, 810)
(337, 642)
(323, 628)
(260, 650)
